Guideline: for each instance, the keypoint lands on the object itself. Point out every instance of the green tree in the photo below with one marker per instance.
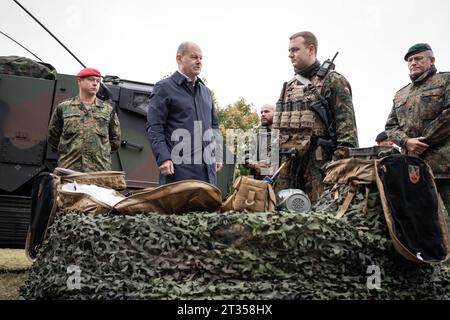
(238, 115)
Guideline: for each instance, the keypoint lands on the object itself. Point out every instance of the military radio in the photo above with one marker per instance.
(326, 66)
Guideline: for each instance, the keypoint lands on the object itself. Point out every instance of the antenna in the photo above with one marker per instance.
(332, 60)
(17, 2)
(19, 44)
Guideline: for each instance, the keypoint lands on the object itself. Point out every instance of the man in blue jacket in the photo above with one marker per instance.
(182, 124)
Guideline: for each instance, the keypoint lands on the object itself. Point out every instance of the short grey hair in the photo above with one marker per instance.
(184, 47)
(429, 53)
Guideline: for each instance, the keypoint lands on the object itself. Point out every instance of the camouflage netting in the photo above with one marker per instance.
(231, 256)
(21, 66)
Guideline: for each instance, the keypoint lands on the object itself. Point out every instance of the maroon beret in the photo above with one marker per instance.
(87, 72)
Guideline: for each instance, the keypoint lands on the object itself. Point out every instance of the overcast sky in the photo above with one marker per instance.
(244, 43)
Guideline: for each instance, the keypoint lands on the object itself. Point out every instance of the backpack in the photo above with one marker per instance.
(43, 209)
(354, 172)
(45, 199)
(414, 216)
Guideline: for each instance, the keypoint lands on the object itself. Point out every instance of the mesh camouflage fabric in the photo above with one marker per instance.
(21, 66)
(231, 256)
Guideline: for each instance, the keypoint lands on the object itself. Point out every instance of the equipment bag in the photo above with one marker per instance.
(173, 198)
(45, 200)
(252, 195)
(43, 209)
(411, 208)
(353, 172)
(108, 179)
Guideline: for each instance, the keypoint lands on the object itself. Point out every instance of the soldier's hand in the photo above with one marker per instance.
(264, 168)
(219, 166)
(415, 146)
(341, 153)
(166, 168)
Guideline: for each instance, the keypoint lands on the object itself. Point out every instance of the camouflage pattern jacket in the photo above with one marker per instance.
(421, 109)
(335, 88)
(258, 157)
(84, 137)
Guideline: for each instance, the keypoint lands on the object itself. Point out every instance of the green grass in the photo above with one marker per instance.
(10, 283)
(14, 267)
(14, 260)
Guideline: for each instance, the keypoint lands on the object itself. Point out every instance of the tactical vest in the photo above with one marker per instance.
(299, 126)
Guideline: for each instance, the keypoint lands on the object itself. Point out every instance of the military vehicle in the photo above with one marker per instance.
(26, 105)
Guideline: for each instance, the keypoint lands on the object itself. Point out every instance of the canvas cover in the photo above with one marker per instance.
(411, 208)
(232, 256)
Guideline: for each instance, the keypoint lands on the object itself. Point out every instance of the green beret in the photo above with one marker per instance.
(381, 136)
(418, 47)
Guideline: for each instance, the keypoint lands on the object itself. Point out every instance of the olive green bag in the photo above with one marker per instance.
(251, 195)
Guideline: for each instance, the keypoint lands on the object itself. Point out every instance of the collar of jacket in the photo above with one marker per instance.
(76, 101)
(309, 71)
(260, 127)
(424, 76)
(179, 78)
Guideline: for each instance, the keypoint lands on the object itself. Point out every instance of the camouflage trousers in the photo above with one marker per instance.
(302, 173)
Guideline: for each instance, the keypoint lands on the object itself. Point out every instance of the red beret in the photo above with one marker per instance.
(87, 72)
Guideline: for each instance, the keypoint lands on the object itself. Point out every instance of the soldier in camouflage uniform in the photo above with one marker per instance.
(301, 127)
(419, 118)
(259, 168)
(84, 129)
